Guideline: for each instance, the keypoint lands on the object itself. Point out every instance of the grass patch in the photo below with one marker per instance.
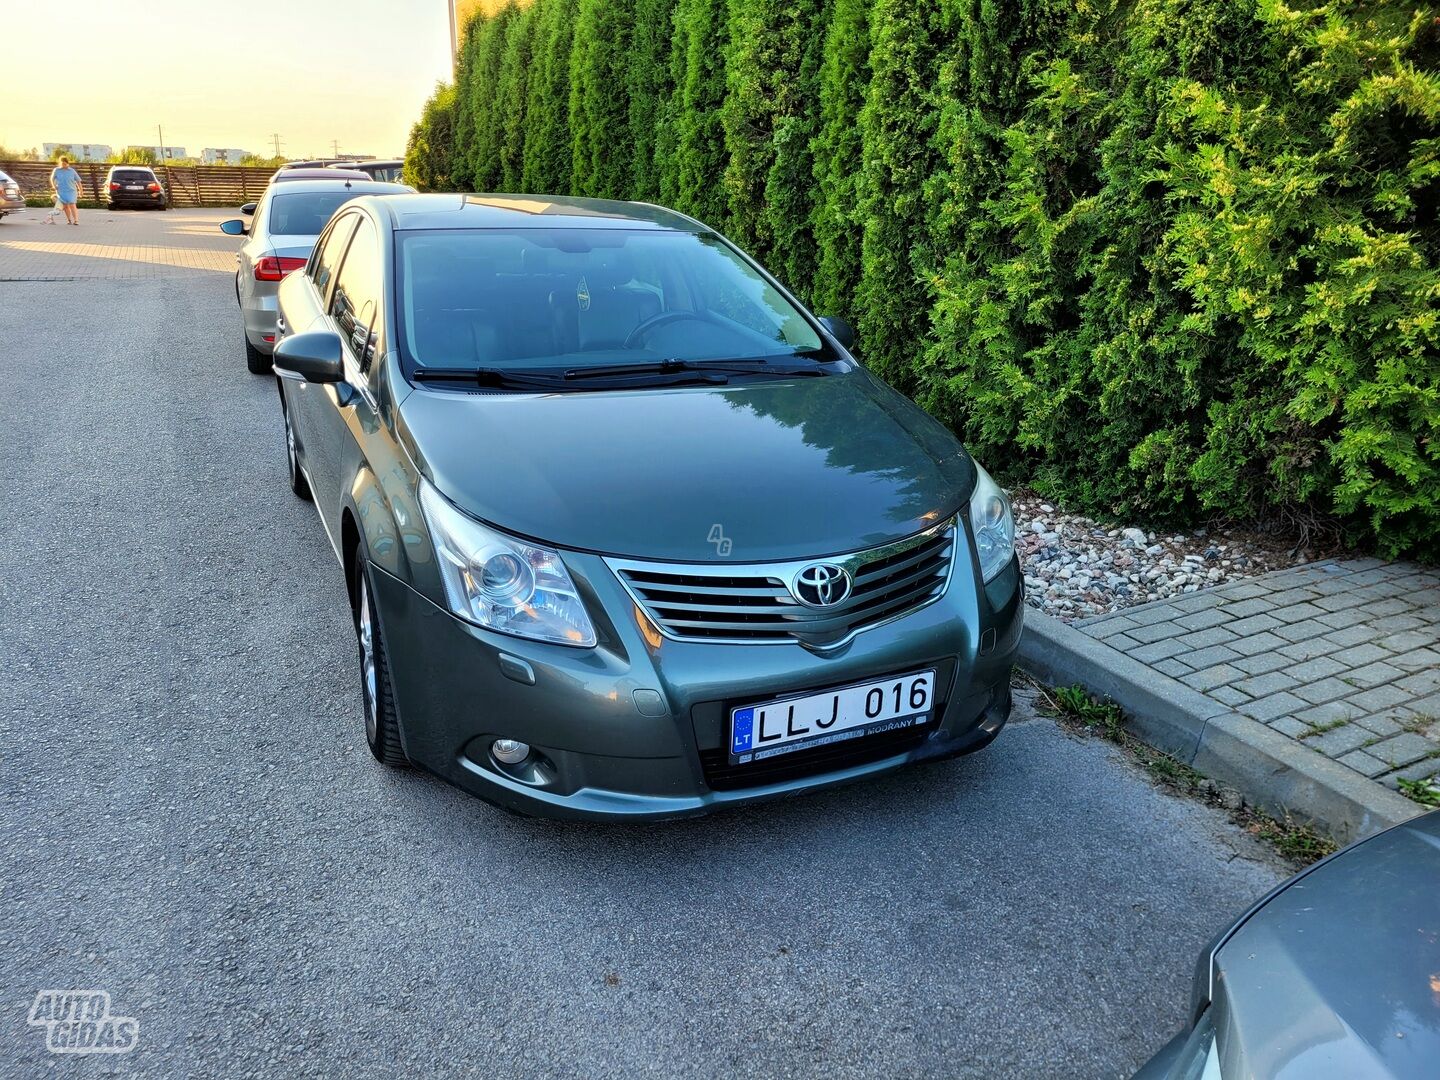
(47, 202)
(1298, 843)
(1321, 729)
(1418, 724)
(1076, 710)
(1424, 792)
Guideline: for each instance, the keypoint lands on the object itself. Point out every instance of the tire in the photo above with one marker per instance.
(298, 484)
(257, 362)
(382, 731)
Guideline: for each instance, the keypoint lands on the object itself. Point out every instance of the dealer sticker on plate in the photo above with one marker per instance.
(758, 732)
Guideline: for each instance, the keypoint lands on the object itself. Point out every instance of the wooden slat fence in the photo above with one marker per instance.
(187, 185)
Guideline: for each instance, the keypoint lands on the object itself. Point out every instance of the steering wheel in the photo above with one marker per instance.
(664, 319)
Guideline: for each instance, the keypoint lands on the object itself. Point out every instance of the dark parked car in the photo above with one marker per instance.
(388, 169)
(135, 186)
(1333, 976)
(628, 533)
(12, 199)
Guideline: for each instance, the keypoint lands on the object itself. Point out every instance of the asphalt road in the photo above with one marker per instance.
(191, 820)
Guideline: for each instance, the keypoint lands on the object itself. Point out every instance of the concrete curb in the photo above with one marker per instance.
(1272, 771)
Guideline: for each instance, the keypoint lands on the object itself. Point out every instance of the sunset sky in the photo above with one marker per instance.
(224, 74)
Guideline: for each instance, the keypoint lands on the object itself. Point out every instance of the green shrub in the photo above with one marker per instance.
(649, 85)
(698, 163)
(599, 106)
(510, 93)
(430, 152)
(836, 153)
(897, 129)
(769, 117)
(547, 164)
(482, 100)
(1162, 259)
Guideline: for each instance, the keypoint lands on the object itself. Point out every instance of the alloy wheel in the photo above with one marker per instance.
(365, 629)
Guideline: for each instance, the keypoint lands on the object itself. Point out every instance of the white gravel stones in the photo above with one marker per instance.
(1075, 567)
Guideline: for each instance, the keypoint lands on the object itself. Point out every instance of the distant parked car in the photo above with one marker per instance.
(387, 169)
(12, 199)
(314, 163)
(282, 231)
(317, 173)
(1333, 976)
(134, 185)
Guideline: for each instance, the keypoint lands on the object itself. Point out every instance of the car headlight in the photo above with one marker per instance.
(993, 523)
(502, 583)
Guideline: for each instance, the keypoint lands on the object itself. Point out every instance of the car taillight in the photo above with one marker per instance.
(274, 268)
(114, 186)
(152, 187)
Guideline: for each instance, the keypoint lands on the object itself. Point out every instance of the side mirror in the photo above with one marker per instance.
(233, 227)
(315, 356)
(248, 209)
(839, 329)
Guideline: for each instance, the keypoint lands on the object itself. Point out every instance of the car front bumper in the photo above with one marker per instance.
(633, 730)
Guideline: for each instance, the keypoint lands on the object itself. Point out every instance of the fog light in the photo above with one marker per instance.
(510, 751)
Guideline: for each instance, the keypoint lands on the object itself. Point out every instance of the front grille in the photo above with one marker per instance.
(720, 775)
(754, 603)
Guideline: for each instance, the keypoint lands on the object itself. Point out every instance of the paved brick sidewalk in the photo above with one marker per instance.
(115, 244)
(1343, 656)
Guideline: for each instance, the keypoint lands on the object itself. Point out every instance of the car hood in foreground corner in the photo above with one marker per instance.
(1338, 976)
(758, 470)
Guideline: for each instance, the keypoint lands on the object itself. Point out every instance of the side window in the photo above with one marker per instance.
(355, 303)
(328, 252)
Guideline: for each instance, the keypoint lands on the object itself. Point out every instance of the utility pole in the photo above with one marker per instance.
(160, 130)
(335, 147)
(276, 138)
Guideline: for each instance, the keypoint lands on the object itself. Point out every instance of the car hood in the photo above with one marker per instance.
(1337, 977)
(755, 471)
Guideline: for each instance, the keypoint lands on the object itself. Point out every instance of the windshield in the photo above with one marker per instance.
(305, 213)
(566, 298)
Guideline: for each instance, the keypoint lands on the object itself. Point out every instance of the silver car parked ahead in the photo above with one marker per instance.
(12, 199)
(282, 231)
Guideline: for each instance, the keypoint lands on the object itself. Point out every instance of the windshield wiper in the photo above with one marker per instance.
(674, 364)
(497, 378)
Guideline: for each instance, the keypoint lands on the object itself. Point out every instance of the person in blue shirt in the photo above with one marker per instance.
(65, 182)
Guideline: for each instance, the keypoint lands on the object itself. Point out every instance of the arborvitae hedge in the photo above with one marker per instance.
(1164, 258)
(599, 99)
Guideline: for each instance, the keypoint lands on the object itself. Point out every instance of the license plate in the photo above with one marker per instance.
(779, 727)
(134, 187)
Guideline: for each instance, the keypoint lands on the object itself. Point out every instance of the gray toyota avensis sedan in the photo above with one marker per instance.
(628, 533)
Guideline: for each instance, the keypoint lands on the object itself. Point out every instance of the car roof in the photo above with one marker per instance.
(365, 186)
(363, 162)
(121, 165)
(529, 212)
(319, 174)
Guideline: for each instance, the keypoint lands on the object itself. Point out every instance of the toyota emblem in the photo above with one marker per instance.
(822, 585)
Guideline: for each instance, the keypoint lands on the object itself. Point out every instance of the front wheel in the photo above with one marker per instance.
(298, 484)
(382, 733)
